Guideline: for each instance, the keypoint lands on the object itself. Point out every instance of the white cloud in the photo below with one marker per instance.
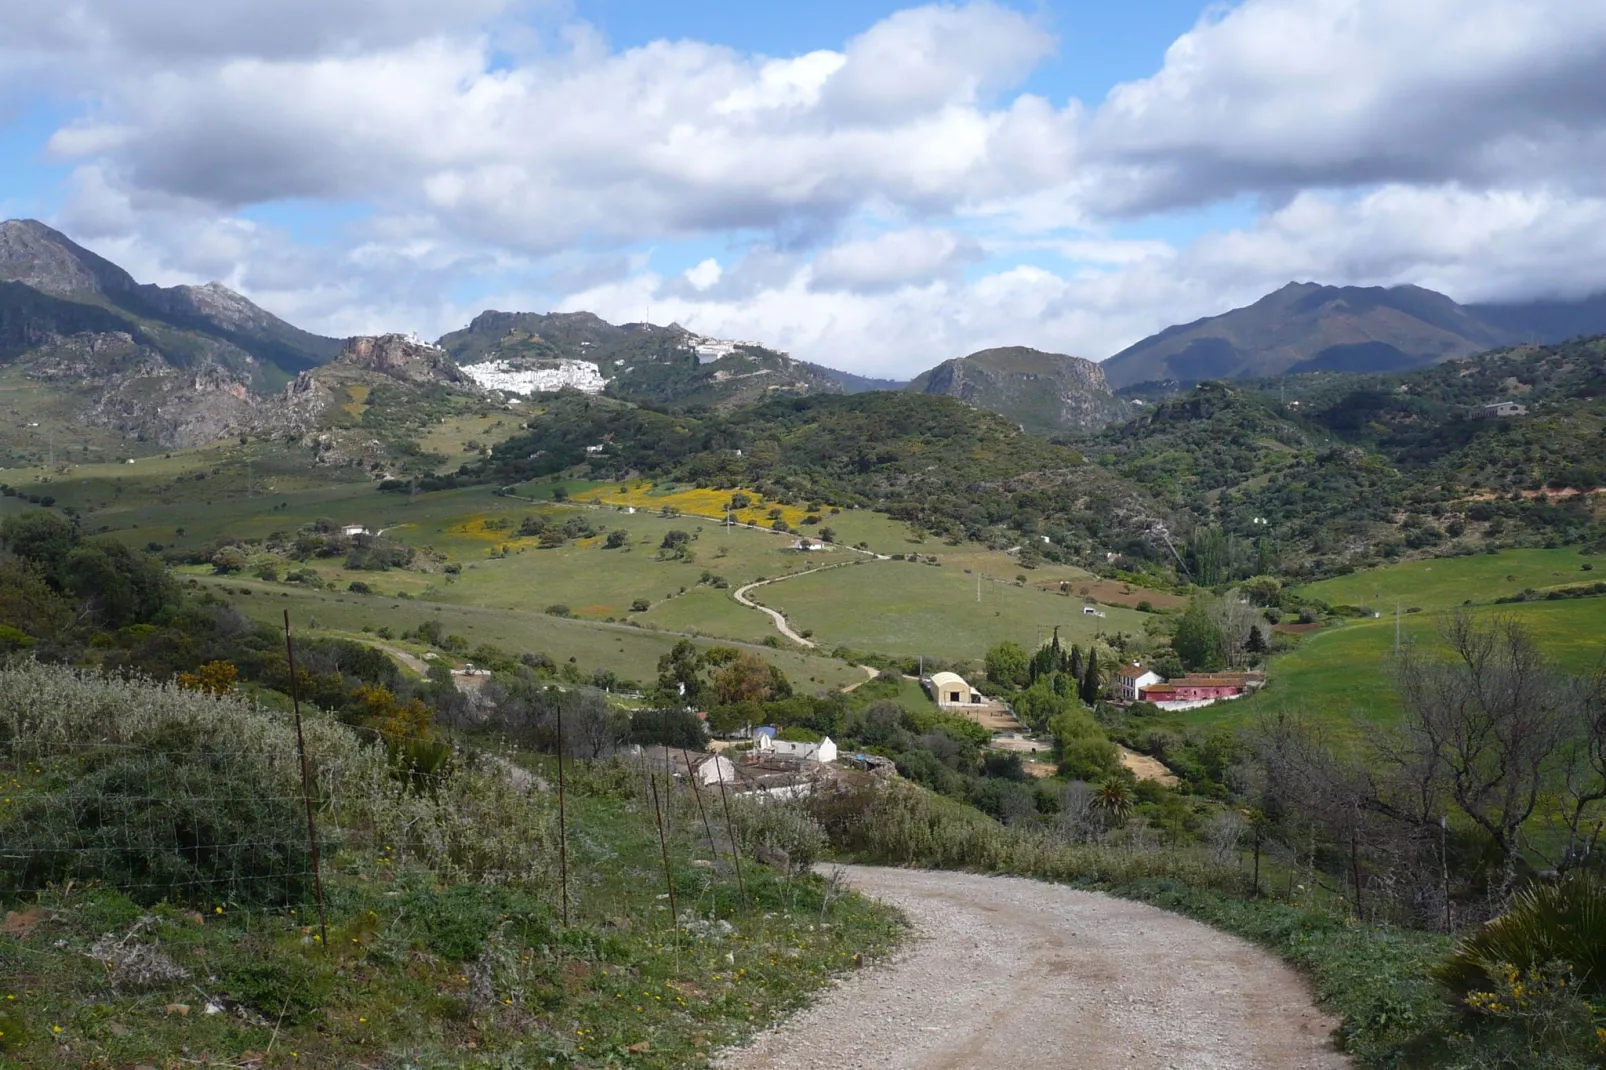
(705, 274)
(1276, 95)
(1455, 145)
(894, 259)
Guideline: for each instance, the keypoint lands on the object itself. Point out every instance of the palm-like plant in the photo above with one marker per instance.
(1114, 800)
(1563, 922)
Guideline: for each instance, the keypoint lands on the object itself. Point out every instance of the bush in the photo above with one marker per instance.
(640, 605)
(558, 609)
(172, 815)
(1563, 922)
(780, 826)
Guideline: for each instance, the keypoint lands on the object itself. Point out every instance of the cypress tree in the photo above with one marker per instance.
(1090, 682)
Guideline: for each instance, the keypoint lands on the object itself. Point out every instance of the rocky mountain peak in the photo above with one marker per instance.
(49, 261)
(404, 358)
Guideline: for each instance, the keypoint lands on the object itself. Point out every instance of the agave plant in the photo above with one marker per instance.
(1563, 922)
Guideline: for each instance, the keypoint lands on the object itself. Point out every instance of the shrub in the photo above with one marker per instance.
(640, 605)
(167, 762)
(780, 826)
(1563, 922)
(558, 609)
(171, 815)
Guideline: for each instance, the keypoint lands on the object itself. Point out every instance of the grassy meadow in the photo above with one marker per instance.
(501, 583)
(630, 652)
(1342, 675)
(898, 607)
(1438, 583)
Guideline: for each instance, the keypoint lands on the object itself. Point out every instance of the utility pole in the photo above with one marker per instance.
(52, 448)
(250, 482)
(978, 587)
(1396, 627)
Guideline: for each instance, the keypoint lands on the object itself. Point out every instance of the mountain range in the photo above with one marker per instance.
(186, 364)
(1307, 327)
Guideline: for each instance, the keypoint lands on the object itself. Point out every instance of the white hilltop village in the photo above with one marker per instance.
(527, 377)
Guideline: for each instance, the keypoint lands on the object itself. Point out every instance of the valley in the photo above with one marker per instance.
(1181, 642)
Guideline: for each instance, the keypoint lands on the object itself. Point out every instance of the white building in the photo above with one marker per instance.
(1131, 679)
(543, 377)
(714, 769)
(353, 529)
(823, 752)
(950, 689)
(1498, 409)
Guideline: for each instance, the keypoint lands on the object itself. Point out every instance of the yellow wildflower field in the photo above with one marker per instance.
(697, 501)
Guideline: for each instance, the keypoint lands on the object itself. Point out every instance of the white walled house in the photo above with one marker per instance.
(1130, 680)
(823, 752)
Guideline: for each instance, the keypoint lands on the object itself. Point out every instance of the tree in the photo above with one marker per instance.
(41, 538)
(1198, 640)
(745, 678)
(1039, 704)
(668, 728)
(828, 534)
(1257, 643)
(1007, 665)
(1487, 725)
(678, 679)
(616, 538)
(118, 584)
(1092, 684)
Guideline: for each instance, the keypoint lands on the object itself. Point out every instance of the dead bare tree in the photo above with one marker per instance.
(1582, 771)
(1487, 726)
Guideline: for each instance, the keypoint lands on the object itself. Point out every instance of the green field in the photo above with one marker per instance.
(630, 652)
(1342, 675)
(896, 607)
(1437, 583)
(186, 500)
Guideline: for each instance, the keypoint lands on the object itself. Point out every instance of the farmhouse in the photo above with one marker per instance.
(1131, 679)
(353, 529)
(1497, 409)
(823, 751)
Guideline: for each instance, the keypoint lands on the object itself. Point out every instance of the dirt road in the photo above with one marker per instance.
(1012, 973)
(740, 594)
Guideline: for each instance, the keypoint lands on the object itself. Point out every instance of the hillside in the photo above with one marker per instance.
(1328, 470)
(1042, 392)
(1306, 327)
(86, 345)
(948, 467)
(533, 353)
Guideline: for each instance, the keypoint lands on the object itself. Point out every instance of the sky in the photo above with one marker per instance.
(869, 185)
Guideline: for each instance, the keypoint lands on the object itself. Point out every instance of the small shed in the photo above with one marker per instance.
(714, 769)
(950, 689)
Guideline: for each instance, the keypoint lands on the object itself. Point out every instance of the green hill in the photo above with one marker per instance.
(1042, 392)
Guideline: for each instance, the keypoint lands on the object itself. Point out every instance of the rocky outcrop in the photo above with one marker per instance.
(1043, 392)
(403, 358)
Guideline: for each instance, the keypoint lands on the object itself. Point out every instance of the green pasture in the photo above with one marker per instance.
(628, 651)
(1436, 583)
(1342, 675)
(897, 607)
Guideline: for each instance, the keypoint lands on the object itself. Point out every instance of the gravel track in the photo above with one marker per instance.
(1005, 972)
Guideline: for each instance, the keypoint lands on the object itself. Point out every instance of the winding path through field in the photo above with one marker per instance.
(1004, 972)
(740, 594)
